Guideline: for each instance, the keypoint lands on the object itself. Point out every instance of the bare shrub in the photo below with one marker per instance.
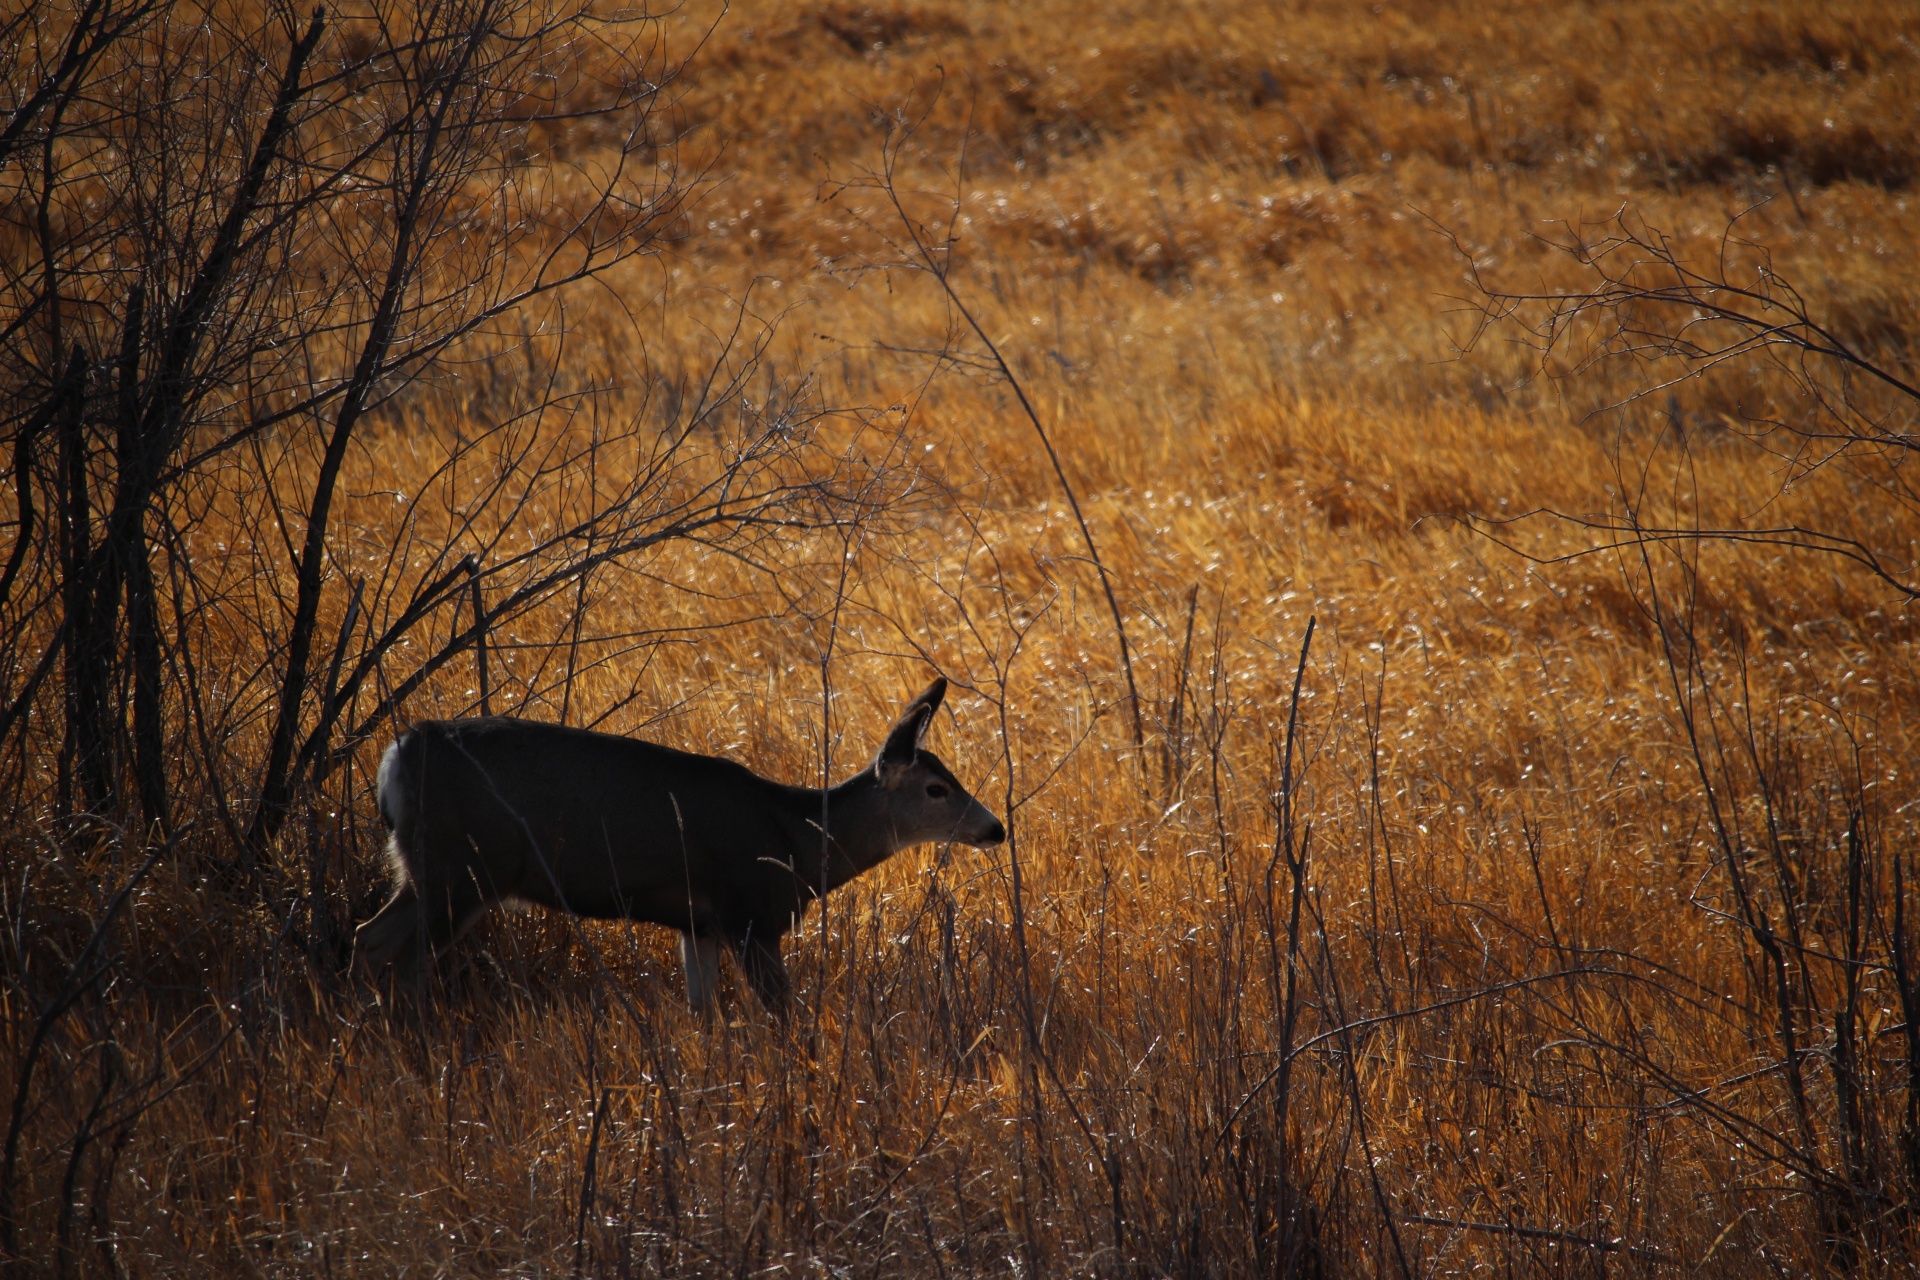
(1798, 863)
(251, 251)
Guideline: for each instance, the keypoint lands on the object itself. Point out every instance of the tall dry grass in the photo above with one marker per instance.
(1527, 1027)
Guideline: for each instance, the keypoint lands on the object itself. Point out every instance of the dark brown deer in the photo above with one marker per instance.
(486, 810)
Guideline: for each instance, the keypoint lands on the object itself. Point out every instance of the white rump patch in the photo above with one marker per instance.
(390, 792)
(397, 863)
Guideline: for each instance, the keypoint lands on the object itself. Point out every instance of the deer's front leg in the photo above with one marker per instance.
(767, 973)
(701, 955)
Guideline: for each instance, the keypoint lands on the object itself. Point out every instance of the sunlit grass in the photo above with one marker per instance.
(1213, 242)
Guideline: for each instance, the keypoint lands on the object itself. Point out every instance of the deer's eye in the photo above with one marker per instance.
(938, 790)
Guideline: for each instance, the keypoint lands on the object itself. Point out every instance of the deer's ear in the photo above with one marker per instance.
(902, 746)
(930, 698)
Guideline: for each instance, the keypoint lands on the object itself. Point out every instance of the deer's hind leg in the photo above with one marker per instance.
(394, 936)
(424, 916)
(453, 901)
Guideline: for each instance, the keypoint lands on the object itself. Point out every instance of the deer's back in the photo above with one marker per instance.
(595, 823)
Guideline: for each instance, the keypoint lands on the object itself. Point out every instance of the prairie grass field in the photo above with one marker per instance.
(1458, 752)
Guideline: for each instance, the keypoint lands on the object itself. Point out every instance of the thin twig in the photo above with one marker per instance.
(937, 262)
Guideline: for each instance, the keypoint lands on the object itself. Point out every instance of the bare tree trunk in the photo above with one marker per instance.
(85, 773)
(143, 627)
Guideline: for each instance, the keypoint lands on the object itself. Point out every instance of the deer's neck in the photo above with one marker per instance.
(858, 832)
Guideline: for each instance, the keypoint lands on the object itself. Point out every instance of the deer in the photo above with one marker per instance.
(489, 809)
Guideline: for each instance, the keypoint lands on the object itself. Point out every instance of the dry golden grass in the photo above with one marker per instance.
(1207, 238)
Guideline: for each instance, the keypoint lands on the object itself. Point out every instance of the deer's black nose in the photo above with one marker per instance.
(995, 834)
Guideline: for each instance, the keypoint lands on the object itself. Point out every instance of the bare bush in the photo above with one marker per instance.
(1655, 319)
(248, 249)
(1786, 777)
